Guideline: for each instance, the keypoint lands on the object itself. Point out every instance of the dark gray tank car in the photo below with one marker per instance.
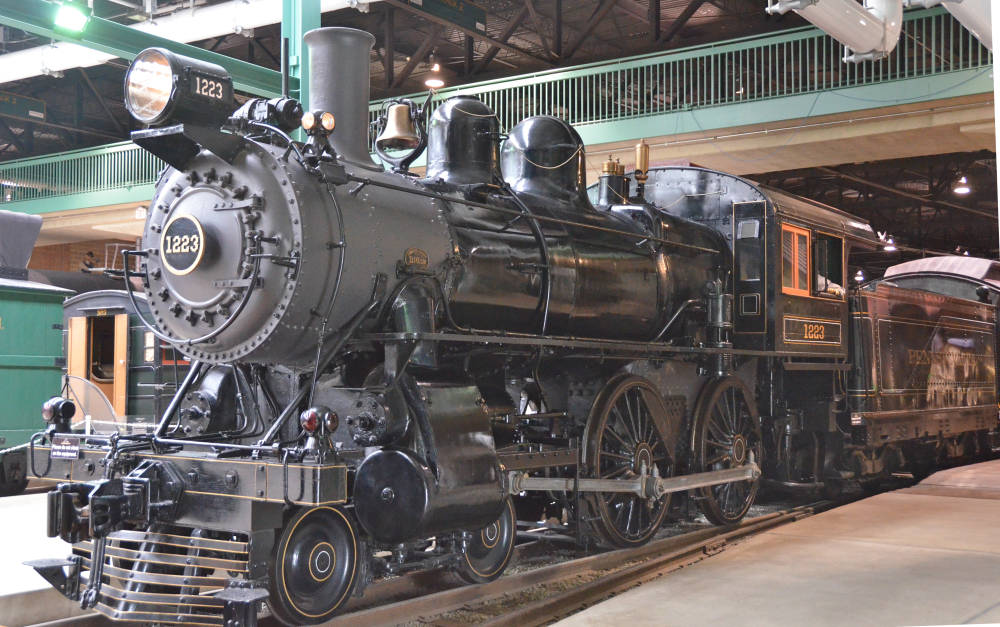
(381, 362)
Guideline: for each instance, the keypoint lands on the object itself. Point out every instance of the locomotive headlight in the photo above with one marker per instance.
(162, 87)
(148, 85)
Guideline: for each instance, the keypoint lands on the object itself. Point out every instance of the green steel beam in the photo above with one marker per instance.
(297, 18)
(38, 17)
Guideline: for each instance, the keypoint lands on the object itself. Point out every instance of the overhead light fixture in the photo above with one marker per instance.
(962, 187)
(890, 246)
(435, 79)
(859, 276)
(72, 18)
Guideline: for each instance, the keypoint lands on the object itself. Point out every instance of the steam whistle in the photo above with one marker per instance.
(641, 168)
(402, 125)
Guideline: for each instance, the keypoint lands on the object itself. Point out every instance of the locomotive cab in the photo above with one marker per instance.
(791, 281)
(789, 256)
(807, 266)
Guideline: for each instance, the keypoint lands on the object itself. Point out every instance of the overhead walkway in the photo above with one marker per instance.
(749, 105)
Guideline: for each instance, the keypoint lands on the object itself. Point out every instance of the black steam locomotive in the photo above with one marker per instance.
(381, 361)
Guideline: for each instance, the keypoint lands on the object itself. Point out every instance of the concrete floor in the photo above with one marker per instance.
(928, 555)
(26, 598)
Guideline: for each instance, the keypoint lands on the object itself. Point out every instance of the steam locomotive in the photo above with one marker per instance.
(380, 362)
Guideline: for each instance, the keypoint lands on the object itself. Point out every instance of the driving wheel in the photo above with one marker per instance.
(628, 430)
(315, 566)
(725, 434)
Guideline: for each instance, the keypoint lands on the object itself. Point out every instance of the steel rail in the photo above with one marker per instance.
(657, 553)
(569, 601)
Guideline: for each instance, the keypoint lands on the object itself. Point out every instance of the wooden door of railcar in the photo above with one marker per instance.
(97, 352)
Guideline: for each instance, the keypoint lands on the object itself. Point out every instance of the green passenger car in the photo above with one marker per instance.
(31, 366)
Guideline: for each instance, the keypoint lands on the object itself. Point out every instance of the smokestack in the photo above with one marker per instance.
(339, 83)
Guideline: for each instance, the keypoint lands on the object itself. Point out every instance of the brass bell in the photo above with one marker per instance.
(399, 132)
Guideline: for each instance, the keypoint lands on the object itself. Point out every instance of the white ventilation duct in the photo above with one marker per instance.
(869, 31)
(184, 25)
(975, 15)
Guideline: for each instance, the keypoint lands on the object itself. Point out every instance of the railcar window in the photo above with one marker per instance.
(795, 264)
(748, 250)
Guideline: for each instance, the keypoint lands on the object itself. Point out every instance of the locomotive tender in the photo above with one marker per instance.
(379, 362)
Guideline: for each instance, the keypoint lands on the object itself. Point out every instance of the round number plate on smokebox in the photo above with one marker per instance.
(182, 244)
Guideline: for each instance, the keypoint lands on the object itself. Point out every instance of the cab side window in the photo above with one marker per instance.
(828, 265)
(795, 263)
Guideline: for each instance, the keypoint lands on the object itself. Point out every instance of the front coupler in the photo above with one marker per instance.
(149, 494)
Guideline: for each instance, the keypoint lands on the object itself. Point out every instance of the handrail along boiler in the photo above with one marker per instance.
(407, 354)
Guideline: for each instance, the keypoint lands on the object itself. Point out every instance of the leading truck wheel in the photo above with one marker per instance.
(315, 566)
(490, 549)
(628, 431)
(726, 431)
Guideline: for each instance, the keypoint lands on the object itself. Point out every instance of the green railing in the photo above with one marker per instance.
(751, 69)
(108, 167)
(798, 61)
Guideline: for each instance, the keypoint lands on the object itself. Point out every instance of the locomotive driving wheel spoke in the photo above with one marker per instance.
(618, 472)
(726, 434)
(624, 436)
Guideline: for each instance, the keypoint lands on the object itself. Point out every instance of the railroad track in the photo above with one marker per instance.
(536, 596)
(544, 594)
